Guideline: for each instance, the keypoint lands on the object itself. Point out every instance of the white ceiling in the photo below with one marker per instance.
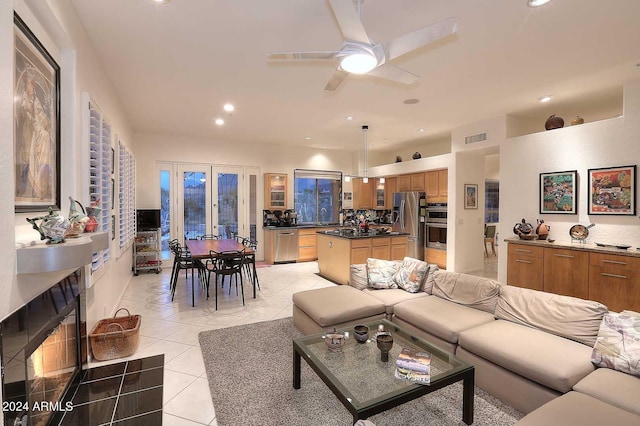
(175, 65)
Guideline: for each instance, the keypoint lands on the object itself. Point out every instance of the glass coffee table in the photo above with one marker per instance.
(365, 385)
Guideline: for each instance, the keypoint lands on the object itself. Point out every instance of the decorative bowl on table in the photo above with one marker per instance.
(334, 340)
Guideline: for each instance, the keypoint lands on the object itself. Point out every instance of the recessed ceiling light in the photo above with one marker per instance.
(350, 118)
(537, 3)
(411, 101)
(161, 1)
(308, 138)
(229, 107)
(545, 98)
(219, 121)
(421, 130)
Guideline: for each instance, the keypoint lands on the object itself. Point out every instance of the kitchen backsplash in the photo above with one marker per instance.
(372, 216)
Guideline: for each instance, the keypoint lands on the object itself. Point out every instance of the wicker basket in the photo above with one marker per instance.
(115, 337)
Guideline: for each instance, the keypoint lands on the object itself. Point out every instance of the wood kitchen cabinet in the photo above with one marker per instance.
(379, 194)
(275, 191)
(362, 194)
(399, 247)
(417, 182)
(437, 185)
(307, 244)
(590, 273)
(443, 183)
(390, 187)
(525, 266)
(381, 248)
(615, 281)
(404, 183)
(566, 272)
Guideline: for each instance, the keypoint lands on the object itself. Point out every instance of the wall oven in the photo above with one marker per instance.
(436, 226)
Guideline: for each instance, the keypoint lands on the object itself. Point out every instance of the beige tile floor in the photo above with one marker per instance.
(171, 328)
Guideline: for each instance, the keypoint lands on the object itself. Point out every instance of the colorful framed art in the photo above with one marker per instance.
(612, 191)
(558, 192)
(470, 196)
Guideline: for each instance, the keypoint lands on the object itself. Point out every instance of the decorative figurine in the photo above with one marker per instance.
(52, 227)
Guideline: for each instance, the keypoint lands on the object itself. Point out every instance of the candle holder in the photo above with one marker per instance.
(385, 343)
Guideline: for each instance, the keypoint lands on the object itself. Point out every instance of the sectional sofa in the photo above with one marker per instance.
(531, 349)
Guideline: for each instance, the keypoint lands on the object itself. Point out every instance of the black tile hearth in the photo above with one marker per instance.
(123, 394)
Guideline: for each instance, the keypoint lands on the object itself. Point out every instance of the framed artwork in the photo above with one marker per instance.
(558, 192)
(612, 191)
(470, 196)
(36, 118)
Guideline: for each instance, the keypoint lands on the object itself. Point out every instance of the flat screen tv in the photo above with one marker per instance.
(147, 219)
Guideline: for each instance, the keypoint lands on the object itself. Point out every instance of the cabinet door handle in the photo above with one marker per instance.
(604, 274)
(615, 262)
(568, 256)
(523, 261)
(523, 250)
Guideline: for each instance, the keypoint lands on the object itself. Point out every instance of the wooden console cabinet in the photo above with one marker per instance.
(609, 276)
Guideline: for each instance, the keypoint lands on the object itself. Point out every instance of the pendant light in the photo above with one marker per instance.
(365, 178)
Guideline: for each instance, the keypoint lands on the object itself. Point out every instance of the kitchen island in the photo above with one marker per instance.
(339, 249)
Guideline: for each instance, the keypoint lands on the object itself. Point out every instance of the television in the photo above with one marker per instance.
(147, 219)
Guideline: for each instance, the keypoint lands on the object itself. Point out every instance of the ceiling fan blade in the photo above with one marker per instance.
(338, 77)
(413, 40)
(391, 72)
(303, 55)
(349, 21)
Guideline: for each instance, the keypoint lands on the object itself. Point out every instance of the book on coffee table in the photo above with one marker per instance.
(413, 366)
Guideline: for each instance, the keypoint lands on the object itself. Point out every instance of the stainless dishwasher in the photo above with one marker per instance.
(286, 245)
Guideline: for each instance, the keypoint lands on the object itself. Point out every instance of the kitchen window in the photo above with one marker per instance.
(317, 195)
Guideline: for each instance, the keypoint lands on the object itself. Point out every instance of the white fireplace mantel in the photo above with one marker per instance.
(73, 253)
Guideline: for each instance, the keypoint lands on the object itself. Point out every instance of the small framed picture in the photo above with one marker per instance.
(612, 191)
(470, 196)
(558, 192)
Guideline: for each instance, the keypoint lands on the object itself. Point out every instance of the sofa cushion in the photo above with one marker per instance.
(440, 317)
(613, 387)
(544, 358)
(576, 408)
(427, 286)
(392, 296)
(332, 305)
(618, 343)
(411, 274)
(380, 273)
(358, 276)
(475, 292)
(565, 316)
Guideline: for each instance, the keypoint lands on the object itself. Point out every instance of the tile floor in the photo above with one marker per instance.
(171, 328)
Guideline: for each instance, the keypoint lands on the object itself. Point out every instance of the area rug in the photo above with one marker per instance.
(249, 369)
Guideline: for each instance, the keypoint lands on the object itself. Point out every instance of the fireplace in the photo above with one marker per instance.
(43, 346)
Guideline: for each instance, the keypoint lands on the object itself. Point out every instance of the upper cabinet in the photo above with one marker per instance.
(437, 186)
(379, 191)
(417, 182)
(390, 186)
(275, 191)
(362, 193)
(404, 183)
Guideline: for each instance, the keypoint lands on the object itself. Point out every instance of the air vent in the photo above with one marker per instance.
(475, 138)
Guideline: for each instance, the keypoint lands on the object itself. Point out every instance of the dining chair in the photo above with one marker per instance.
(490, 237)
(223, 264)
(182, 259)
(208, 237)
(250, 261)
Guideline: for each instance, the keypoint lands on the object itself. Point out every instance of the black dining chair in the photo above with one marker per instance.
(182, 259)
(208, 237)
(250, 261)
(225, 264)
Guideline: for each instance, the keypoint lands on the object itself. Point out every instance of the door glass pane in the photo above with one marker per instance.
(228, 204)
(194, 213)
(253, 207)
(165, 212)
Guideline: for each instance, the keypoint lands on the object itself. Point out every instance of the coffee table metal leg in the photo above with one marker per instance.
(296, 369)
(467, 397)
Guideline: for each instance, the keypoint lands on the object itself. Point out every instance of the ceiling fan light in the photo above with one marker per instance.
(536, 3)
(359, 63)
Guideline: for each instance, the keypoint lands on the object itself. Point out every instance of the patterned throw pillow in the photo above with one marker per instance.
(618, 343)
(381, 272)
(411, 274)
(427, 285)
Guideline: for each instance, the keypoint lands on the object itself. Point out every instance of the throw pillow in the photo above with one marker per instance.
(411, 274)
(380, 273)
(358, 276)
(427, 285)
(618, 343)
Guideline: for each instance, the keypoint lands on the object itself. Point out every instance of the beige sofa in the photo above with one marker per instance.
(531, 349)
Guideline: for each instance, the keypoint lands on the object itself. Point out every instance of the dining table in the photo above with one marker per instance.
(202, 250)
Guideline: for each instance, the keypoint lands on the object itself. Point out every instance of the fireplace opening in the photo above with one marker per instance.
(43, 348)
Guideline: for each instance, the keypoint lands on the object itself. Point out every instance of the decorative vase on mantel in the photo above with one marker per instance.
(576, 121)
(554, 122)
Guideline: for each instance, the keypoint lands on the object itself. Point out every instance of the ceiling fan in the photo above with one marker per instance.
(360, 55)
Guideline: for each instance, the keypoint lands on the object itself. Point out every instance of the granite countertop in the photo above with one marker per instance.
(344, 233)
(307, 226)
(567, 244)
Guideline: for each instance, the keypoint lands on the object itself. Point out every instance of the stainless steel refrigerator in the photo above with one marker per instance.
(409, 211)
